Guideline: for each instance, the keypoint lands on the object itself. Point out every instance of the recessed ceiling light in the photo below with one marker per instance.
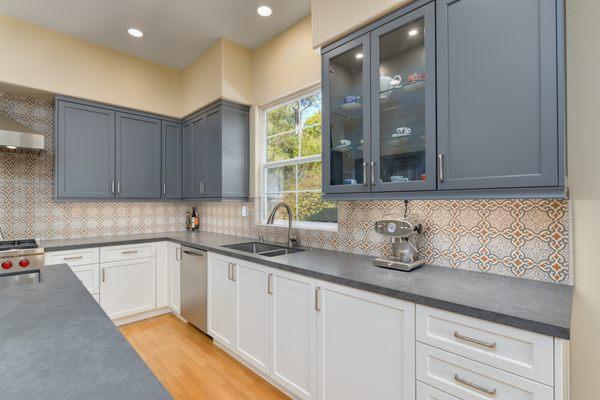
(413, 32)
(359, 56)
(264, 11)
(135, 32)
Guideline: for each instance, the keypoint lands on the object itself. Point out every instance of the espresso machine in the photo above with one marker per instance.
(402, 233)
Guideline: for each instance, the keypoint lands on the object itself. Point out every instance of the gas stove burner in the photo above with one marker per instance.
(18, 244)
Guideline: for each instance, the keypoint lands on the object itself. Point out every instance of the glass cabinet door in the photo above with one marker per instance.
(403, 103)
(346, 161)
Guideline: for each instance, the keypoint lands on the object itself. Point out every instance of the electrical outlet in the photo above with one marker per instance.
(244, 211)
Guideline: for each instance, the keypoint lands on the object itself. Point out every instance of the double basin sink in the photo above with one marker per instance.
(263, 249)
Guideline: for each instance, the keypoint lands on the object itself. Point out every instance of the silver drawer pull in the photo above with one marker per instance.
(129, 252)
(475, 341)
(489, 392)
(73, 258)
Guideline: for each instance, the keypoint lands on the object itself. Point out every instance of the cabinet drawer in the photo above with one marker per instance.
(73, 257)
(520, 352)
(127, 252)
(471, 380)
(426, 392)
(89, 275)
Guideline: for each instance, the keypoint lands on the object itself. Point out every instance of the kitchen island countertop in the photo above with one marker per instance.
(58, 344)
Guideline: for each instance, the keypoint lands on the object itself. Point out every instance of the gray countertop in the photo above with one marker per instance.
(534, 306)
(57, 343)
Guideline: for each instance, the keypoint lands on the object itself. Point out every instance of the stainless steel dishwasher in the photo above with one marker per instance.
(194, 279)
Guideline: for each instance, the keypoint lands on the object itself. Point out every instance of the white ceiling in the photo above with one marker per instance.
(175, 31)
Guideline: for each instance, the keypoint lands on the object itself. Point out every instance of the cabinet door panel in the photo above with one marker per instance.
(346, 118)
(128, 287)
(497, 85)
(174, 271)
(252, 316)
(365, 345)
(138, 156)
(403, 138)
(171, 160)
(293, 331)
(221, 301)
(212, 155)
(194, 159)
(85, 158)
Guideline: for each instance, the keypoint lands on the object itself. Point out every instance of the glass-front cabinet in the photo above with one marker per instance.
(346, 122)
(380, 131)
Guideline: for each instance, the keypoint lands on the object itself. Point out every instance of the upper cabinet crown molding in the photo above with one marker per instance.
(465, 99)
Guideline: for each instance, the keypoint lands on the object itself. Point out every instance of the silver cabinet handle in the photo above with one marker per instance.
(234, 272)
(112, 187)
(372, 172)
(270, 284)
(118, 187)
(318, 298)
(441, 166)
(489, 392)
(103, 274)
(73, 258)
(178, 254)
(365, 172)
(129, 252)
(229, 274)
(478, 342)
(164, 188)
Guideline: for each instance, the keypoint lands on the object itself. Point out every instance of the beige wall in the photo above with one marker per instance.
(42, 59)
(237, 73)
(285, 64)
(223, 71)
(332, 19)
(583, 93)
(201, 83)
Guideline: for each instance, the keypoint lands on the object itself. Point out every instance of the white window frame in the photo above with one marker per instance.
(264, 213)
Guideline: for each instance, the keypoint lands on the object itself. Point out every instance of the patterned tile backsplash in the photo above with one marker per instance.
(521, 238)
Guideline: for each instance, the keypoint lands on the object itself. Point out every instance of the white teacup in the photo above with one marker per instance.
(386, 83)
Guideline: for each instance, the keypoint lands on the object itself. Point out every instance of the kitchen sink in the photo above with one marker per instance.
(263, 249)
(21, 278)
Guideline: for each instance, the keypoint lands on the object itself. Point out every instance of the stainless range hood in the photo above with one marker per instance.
(15, 137)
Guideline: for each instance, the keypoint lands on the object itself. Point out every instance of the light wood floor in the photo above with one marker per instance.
(190, 366)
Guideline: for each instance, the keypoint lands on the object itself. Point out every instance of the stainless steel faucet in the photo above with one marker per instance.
(291, 240)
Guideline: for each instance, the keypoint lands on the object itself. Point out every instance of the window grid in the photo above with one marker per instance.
(297, 162)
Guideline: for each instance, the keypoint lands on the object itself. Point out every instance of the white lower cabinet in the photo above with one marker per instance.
(173, 276)
(293, 333)
(366, 345)
(221, 300)
(128, 287)
(471, 380)
(252, 316)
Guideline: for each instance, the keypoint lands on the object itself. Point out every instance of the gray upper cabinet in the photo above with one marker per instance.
(403, 121)
(138, 156)
(172, 147)
(497, 94)
(194, 158)
(466, 101)
(216, 153)
(85, 141)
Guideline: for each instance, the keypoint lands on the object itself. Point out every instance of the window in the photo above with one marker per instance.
(292, 162)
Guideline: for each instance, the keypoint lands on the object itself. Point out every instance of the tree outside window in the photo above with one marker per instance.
(292, 161)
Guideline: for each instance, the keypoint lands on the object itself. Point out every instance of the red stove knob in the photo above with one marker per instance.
(7, 264)
(24, 263)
